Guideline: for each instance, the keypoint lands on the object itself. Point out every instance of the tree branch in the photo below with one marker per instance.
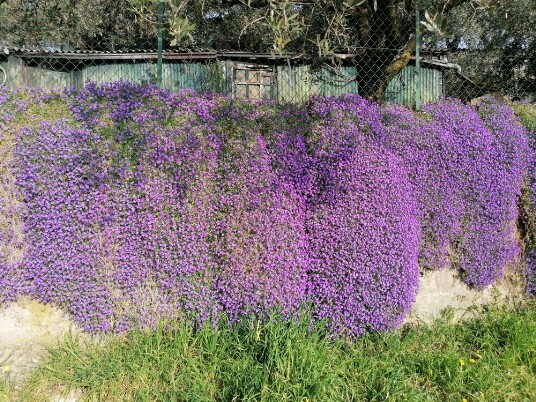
(451, 4)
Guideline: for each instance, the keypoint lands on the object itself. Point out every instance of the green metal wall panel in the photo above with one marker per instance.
(401, 89)
(337, 81)
(175, 76)
(296, 83)
(292, 83)
(201, 77)
(133, 72)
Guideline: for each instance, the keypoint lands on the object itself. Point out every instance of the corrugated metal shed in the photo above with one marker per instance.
(288, 77)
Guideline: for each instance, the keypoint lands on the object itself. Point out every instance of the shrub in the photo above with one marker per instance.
(489, 165)
(12, 244)
(261, 250)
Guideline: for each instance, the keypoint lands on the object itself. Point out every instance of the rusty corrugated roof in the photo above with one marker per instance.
(130, 54)
(151, 54)
(139, 54)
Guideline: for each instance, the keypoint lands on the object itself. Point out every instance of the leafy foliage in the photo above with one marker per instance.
(496, 45)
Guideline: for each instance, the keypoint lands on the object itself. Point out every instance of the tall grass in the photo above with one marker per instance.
(5, 387)
(490, 358)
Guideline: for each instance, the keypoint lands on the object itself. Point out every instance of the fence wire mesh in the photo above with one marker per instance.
(284, 51)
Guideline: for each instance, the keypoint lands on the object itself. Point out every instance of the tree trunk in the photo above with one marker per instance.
(382, 69)
(388, 45)
(382, 60)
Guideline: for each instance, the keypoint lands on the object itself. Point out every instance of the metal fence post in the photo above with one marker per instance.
(160, 29)
(417, 58)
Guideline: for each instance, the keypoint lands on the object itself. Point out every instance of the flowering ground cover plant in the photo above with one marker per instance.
(527, 114)
(127, 204)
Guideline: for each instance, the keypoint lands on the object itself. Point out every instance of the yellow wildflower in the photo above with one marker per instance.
(7, 369)
(462, 362)
(472, 361)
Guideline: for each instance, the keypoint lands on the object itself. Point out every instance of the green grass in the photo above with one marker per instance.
(492, 358)
(5, 388)
(527, 114)
(5, 380)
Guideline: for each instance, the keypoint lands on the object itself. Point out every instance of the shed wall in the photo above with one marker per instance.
(295, 83)
(19, 74)
(292, 82)
(401, 89)
(200, 77)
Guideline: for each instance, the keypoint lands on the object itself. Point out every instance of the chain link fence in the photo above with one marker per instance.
(377, 54)
(475, 73)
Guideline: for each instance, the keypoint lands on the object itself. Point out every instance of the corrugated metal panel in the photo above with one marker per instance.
(197, 76)
(127, 54)
(337, 81)
(401, 89)
(296, 83)
(133, 72)
(175, 76)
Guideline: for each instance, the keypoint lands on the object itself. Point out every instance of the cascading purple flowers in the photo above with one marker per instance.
(54, 175)
(362, 222)
(467, 172)
(261, 251)
(491, 169)
(527, 218)
(13, 104)
(140, 205)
